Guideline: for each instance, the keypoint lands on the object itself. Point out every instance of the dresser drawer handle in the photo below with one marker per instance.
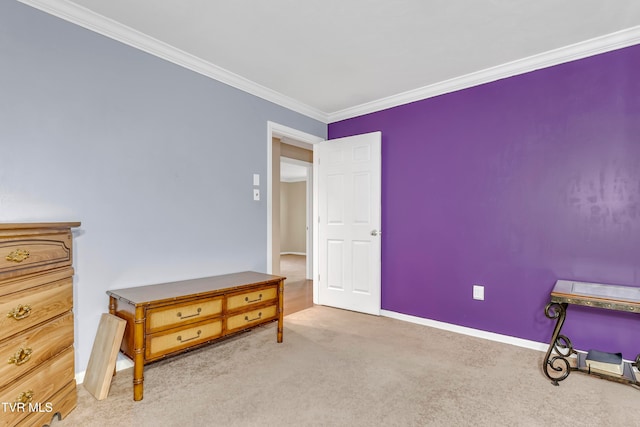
(18, 255)
(253, 300)
(255, 318)
(25, 397)
(22, 356)
(179, 314)
(20, 312)
(179, 338)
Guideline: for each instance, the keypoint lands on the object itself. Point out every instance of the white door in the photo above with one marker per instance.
(349, 204)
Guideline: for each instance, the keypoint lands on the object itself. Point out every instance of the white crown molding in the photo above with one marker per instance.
(83, 17)
(607, 43)
(100, 24)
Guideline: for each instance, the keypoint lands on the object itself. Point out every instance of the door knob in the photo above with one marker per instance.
(375, 232)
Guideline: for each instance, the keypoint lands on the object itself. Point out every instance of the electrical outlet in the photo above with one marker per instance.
(256, 194)
(478, 292)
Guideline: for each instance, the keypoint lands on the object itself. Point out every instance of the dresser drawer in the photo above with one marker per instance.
(162, 318)
(29, 255)
(246, 299)
(62, 402)
(173, 340)
(36, 388)
(29, 349)
(250, 318)
(20, 284)
(22, 310)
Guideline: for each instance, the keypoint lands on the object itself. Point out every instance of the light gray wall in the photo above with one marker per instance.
(155, 160)
(293, 217)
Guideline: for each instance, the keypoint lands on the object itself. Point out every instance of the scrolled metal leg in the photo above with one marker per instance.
(636, 363)
(557, 363)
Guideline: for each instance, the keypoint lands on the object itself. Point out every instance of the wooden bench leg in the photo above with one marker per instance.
(280, 309)
(138, 354)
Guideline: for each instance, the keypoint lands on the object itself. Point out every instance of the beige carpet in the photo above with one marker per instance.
(339, 368)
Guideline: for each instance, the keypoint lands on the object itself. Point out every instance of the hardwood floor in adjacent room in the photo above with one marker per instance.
(298, 291)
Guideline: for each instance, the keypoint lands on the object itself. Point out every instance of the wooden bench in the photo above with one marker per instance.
(168, 319)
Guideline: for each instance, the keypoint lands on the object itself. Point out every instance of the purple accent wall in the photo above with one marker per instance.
(513, 185)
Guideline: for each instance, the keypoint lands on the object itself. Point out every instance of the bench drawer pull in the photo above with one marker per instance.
(179, 314)
(179, 337)
(255, 318)
(253, 300)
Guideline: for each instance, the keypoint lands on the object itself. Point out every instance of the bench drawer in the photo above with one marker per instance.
(173, 340)
(250, 318)
(245, 299)
(166, 317)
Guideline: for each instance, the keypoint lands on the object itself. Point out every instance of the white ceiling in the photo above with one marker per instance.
(333, 59)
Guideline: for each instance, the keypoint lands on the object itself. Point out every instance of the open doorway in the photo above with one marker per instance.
(296, 194)
(296, 208)
(292, 151)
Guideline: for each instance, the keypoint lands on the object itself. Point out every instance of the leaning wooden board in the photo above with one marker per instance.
(102, 362)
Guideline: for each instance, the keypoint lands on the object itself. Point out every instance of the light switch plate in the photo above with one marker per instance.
(256, 194)
(256, 179)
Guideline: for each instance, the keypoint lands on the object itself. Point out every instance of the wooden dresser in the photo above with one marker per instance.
(171, 318)
(37, 375)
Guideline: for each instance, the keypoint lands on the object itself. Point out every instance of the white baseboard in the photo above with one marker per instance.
(124, 363)
(519, 342)
(506, 339)
(121, 364)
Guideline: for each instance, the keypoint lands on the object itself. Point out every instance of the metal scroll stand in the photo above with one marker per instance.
(556, 364)
(560, 344)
